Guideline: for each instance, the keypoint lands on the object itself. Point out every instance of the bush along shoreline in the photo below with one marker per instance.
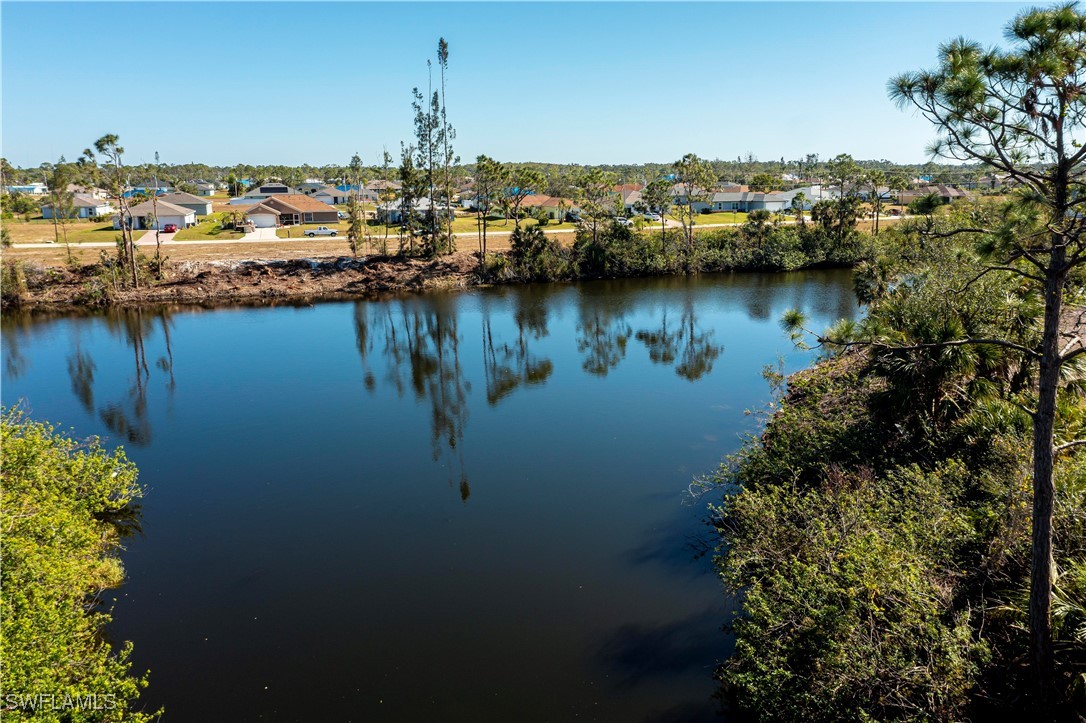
(878, 533)
(606, 251)
(66, 506)
(611, 250)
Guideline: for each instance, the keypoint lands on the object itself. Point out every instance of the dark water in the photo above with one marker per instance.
(445, 507)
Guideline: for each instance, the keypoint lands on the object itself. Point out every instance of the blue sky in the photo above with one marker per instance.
(557, 82)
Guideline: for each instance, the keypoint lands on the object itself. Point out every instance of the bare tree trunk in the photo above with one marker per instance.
(1044, 422)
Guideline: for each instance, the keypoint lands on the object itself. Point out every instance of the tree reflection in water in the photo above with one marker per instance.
(508, 366)
(695, 346)
(127, 417)
(602, 332)
(422, 352)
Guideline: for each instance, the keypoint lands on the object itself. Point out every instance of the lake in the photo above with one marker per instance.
(449, 507)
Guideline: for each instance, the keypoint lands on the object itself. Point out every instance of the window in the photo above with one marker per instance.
(308, 217)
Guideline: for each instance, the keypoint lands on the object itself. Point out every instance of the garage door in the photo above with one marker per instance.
(263, 220)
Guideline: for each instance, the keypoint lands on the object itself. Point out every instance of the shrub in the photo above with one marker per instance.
(64, 507)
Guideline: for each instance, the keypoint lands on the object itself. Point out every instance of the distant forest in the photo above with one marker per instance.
(559, 176)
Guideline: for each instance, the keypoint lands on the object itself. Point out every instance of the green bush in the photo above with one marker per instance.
(64, 507)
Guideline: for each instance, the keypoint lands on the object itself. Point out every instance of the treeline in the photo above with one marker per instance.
(615, 250)
(559, 177)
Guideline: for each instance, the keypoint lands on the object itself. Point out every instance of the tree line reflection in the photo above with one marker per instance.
(418, 348)
(127, 415)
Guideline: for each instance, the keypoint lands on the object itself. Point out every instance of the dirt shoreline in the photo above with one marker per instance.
(250, 280)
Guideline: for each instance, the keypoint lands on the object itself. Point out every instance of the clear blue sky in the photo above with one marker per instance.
(557, 82)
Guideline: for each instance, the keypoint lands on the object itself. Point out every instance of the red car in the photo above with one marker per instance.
(170, 228)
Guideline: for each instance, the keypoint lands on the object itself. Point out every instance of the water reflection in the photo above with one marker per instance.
(126, 415)
(421, 348)
(602, 332)
(510, 365)
(695, 345)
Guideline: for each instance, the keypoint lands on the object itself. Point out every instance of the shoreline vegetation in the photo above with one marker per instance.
(877, 533)
(67, 505)
(608, 251)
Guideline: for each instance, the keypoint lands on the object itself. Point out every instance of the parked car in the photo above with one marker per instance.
(623, 221)
(342, 215)
(169, 228)
(650, 216)
(320, 231)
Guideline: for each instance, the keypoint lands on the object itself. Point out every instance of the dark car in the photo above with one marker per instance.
(170, 228)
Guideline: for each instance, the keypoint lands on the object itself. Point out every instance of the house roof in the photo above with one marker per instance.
(165, 208)
(301, 202)
(626, 187)
(749, 196)
(544, 201)
(82, 200)
(330, 191)
(151, 184)
(84, 189)
(261, 210)
(180, 197)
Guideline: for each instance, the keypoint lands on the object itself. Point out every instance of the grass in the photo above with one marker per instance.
(79, 231)
(209, 228)
(717, 217)
(461, 225)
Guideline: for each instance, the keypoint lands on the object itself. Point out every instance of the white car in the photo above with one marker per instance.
(650, 216)
(320, 231)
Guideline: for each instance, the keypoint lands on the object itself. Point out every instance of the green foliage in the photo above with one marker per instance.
(613, 250)
(848, 598)
(878, 532)
(536, 257)
(65, 506)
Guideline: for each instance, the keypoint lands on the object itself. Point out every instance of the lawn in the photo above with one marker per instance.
(209, 228)
(461, 225)
(41, 231)
(717, 217)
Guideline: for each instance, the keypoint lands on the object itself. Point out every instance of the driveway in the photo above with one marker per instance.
(260, 234)
(148, 239)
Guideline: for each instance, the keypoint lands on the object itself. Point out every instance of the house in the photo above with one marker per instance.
(83, 206)
(624, 188)
(392, 212)
(331, 195)
(555, 208)
(372, 191)
(33, 189)
(311, 186)
(947, 194)
(631, 200)
(146, 188)
(92, 191)
(295, 208)
(143, 216)
(204, 188)
(265, 191)
(867, 193)
(747, 201)
(200, 206)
